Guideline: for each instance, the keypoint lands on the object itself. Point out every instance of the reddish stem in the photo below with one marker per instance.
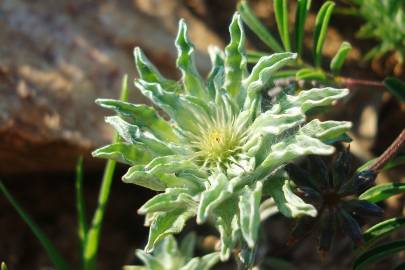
(353, 83)
(389, 152)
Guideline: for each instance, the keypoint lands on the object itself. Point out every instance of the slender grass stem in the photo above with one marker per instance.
(93, 234)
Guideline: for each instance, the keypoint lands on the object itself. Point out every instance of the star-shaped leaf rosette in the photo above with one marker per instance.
(214, 151)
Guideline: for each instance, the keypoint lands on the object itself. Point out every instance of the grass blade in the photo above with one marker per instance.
(381, 192)
(93, 235)
(378, 253)
(311, 74)
(396, 87)
(340, 57)
(300, 18)
(383, 228)
(281, 13)
(257, 27)
(321, 28)
(80, 207)
(51, 250)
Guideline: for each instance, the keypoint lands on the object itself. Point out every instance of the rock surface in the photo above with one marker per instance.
(57, 57)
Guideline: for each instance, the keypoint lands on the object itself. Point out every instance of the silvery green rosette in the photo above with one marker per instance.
(219, 154)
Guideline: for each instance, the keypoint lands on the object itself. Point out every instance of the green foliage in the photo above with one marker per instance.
(169, 256)
(219, 147)
(306, 71)
(373, 250)
(384, 21)
(3, 266)
(396, 87)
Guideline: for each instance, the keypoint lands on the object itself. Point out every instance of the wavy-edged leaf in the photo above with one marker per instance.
(281, 14)
(151, 262)
(262, 73)
(321, 28)
(289, 204)
(396, 87)
(161, 173)
(192, 81)
(148, 72)
(340, 57)
(383, 191)
(375, 254)
(249, 203)
(311, 74)
(216, 77)
(235, 61)
(171, 199)
(203, 263)
(300, 18)
(213, 196)
(257, 27)
(143, 116)
(133, 135)
(226, 221)
(125, 153)
(294, 147)
(326, 131)
(316, 97)
(167, 223)
(177, 107)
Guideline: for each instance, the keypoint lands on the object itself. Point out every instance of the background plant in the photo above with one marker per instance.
(384, 22)
(301, 70)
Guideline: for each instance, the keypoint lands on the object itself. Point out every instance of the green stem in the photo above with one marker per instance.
(81, 209)
(93, 235)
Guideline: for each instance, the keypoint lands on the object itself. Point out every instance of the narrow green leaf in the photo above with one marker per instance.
(93, 235)
(54, 255)
(340, 57)
(235, 61)
(249, 203)
(384, 228)
(378, 253)
(311, 74)
(394, 162)
(321, 28)
(383, 191)
(257, 27)
(281, 14)
(165, 224)
(396, 87)
(80, 207)
(3, 266)
(300, 18)
(193, 83)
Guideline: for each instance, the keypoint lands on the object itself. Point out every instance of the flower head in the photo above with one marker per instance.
(334, 193)
(214, 156)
